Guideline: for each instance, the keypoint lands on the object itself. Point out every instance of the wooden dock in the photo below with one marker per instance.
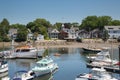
(108, 68)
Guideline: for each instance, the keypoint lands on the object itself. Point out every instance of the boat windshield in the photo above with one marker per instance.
(23, 50)
(41, 65)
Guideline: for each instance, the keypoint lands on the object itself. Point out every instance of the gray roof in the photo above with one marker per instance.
(112, 27)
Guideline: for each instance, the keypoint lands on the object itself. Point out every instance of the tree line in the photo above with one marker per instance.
(40, 26)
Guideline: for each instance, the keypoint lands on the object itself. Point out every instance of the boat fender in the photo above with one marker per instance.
(90, 75)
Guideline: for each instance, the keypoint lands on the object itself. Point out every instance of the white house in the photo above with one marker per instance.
(40, 37)
(71, 32)
(53, 33)
(12, 33)
(113, 31)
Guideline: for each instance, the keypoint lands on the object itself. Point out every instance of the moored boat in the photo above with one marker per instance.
(95, 74)
(103, 56)
(3, 67)
(93, 50)
(23, 75)
(44, 66)
(24, 52)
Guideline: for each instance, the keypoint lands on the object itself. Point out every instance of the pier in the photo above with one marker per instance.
(108, 68)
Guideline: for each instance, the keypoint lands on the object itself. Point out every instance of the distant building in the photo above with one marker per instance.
(12, 33)
(30, 36)
(53, 33)
(68, 34)
(83, 34)
(40, 37)
(113, 31)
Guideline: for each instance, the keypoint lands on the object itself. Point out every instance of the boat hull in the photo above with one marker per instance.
(24, 55)
(47, 71)
(3, 68)
(91, 50)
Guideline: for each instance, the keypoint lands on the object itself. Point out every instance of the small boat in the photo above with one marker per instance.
(44, 66)
(24, 52)
(57, 54)
(3, 74)
(23, 75)
(93, 50)
(3, 66)
(5, 53)
(5, 78)
(95, 74)
(103, 56)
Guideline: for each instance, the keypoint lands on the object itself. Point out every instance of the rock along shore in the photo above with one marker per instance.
(63, 43)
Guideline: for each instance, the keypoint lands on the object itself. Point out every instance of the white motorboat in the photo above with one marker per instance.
(44, 66)
(5, 53)
(24, 52)
(3, 67)
(96, 74)
(23, 75)
(103, 56)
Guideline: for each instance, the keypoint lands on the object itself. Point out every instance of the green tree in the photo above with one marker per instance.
(21, 36)
(40, 26)
(4, 27)
(105, 36)
(57, 26)
(43, 22)
(67, 25)
(21, 33)
(115, 23)
(103, 21)
(75, 24)
(89, 23)
(44, 32)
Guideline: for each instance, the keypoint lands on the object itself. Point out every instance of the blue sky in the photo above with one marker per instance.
(24, 11)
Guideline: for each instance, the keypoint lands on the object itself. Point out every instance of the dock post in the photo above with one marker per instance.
(119, 56)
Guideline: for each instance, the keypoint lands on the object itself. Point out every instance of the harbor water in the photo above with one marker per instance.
(71, 62)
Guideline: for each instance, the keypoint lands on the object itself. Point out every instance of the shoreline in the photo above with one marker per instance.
(66, 44)
(82, 45)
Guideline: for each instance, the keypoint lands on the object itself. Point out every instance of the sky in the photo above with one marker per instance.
(25, 11)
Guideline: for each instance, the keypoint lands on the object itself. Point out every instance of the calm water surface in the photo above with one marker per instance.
(71, 62)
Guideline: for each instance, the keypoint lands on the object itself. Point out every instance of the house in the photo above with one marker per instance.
(12, 33)
(53, 33)
(82, 34)
(30, 36)
(96, 33)
(69, 34)
(40, 37)
(113, 31)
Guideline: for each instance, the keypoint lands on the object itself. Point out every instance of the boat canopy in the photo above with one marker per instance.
(45, 61)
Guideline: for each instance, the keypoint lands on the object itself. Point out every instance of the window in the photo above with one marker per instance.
(110, 28)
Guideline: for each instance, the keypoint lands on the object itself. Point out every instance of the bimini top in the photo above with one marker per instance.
(45, 61)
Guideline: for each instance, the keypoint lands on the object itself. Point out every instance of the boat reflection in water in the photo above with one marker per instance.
(45, 77)
(25, 64)
(20, 64)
